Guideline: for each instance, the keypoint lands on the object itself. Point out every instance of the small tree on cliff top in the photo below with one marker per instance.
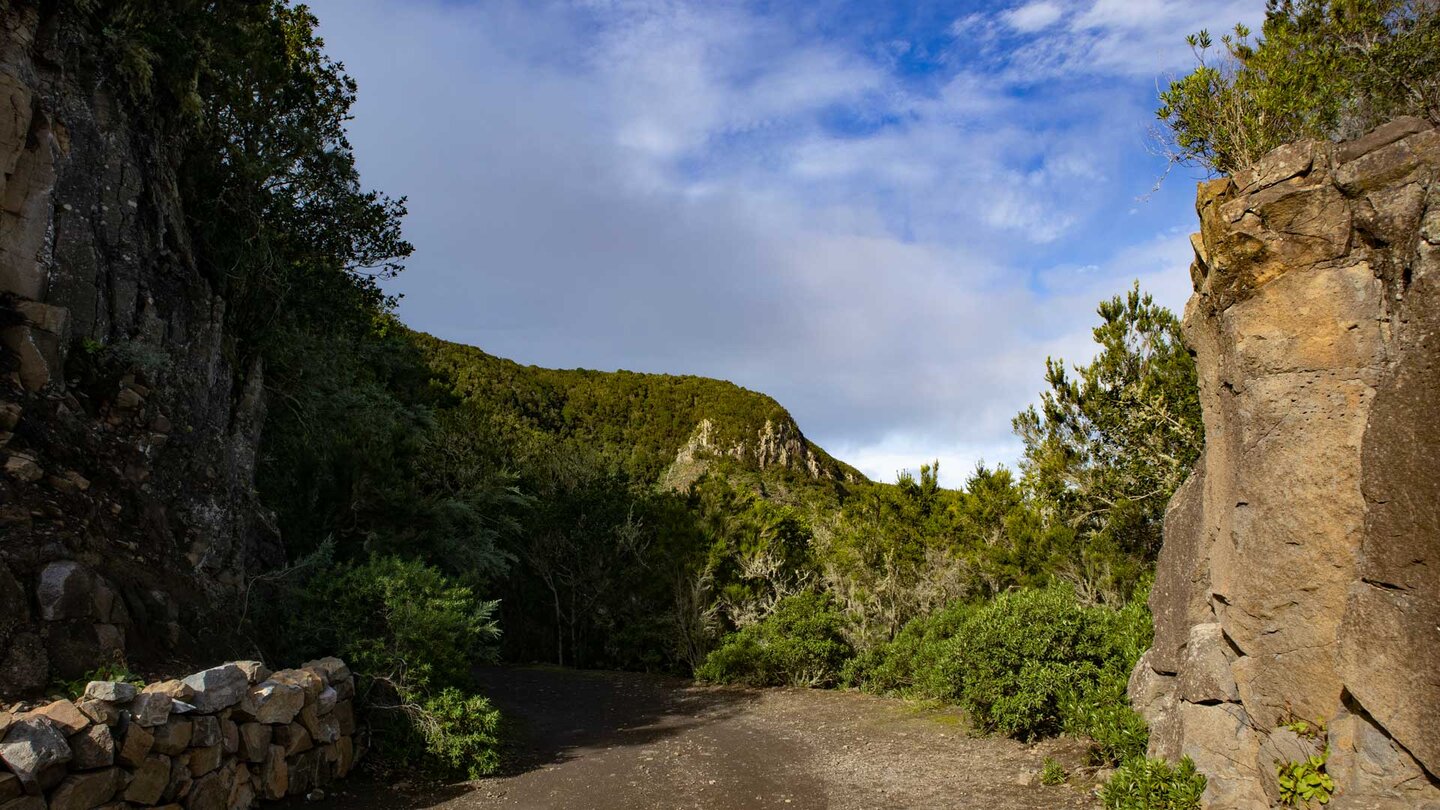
(1324, 69)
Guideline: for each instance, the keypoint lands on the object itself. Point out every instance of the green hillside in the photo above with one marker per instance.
(640, 421)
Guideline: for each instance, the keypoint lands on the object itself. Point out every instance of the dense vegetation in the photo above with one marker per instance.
(450, 508)
(1326, 69)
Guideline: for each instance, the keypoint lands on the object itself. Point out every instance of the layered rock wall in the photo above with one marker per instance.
(221, 739)
(1300, 575)
(129, 420)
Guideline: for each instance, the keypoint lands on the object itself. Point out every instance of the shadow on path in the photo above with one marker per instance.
(552, 714)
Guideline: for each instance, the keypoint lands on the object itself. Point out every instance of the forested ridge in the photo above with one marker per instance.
(450, 508)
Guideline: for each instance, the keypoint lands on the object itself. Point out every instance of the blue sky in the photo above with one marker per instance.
(885, 215)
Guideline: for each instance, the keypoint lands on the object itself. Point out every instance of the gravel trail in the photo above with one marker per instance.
(627, 741)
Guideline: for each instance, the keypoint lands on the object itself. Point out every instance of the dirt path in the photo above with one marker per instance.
(623, 741)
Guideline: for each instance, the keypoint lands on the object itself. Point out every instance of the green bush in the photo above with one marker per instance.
(1053, 773)
(1154, 784)
(402, 621)
(414, 636)
(799, 644)
(910, 663)
(461, 732)
(1320, 69)
(1030, 662)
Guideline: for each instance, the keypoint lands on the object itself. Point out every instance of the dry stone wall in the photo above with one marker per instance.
(1300, 575)
(220, 739)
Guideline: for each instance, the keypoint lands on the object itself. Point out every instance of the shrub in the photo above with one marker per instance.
(414, 636)
(461, 731)
(799, 644)
(910, 664)
(1026, 663)
(401, 620)
(1320, 69)
(1053, 773)
(1154, 784)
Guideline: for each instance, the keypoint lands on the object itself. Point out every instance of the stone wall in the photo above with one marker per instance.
(1300, 575)
(129, 420)
(220, 739)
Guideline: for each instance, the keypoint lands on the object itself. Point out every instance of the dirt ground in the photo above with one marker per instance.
(626, 741)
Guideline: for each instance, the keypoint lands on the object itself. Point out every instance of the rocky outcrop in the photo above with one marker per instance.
(1298, 579)
(128, 418)
(778, 444)
(201, 742)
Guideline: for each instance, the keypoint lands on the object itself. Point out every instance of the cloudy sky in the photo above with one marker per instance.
(884, 214)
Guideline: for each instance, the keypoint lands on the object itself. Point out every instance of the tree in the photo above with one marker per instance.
(1323, 69)
(1108, 446)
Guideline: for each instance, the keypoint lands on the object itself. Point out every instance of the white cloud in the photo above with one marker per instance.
(1034, 16)
(659, 186)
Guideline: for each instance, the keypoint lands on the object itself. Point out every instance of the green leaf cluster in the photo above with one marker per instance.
(1305, 783)
(1323, 69)
(800, 644)
(1154, 784)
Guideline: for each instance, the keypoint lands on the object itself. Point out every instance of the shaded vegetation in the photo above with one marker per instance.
(431, 495)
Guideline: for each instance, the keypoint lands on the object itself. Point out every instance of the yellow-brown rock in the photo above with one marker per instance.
(1298, 576)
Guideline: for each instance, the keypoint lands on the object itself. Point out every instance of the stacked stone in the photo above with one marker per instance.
(220, 739)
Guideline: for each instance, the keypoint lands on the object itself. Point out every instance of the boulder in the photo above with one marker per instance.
(323, 728)
(272, 702)
(23, 467)
(175, 690)
(210, 792)
(151, 708)
(254, 741)
(174, 736)
(206, 731)
(274, 774)
(230, 736)
(92, 748)
(309, 682)
(294, 737)
(31, 746)
(65, 591)
(325, 703)
(217, 688)
(99, 711)
(344, 715)
(150, 779)
(64, 716)
(332, 669)
(204, 760)
(86, 791)
(255, 672)
(135, 746)
(112, 691)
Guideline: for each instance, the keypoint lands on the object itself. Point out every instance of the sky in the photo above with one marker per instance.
(885, 215)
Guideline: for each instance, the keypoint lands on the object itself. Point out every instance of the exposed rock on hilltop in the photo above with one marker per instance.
(128, 421)
(1298, 578)
(660, 427)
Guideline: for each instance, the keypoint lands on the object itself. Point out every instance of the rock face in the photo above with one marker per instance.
(128, 417)
(1298, 579)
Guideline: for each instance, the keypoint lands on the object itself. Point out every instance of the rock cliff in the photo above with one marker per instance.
(1300, 575)
(129, 419)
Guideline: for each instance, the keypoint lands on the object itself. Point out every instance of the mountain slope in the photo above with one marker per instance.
(658, 427)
